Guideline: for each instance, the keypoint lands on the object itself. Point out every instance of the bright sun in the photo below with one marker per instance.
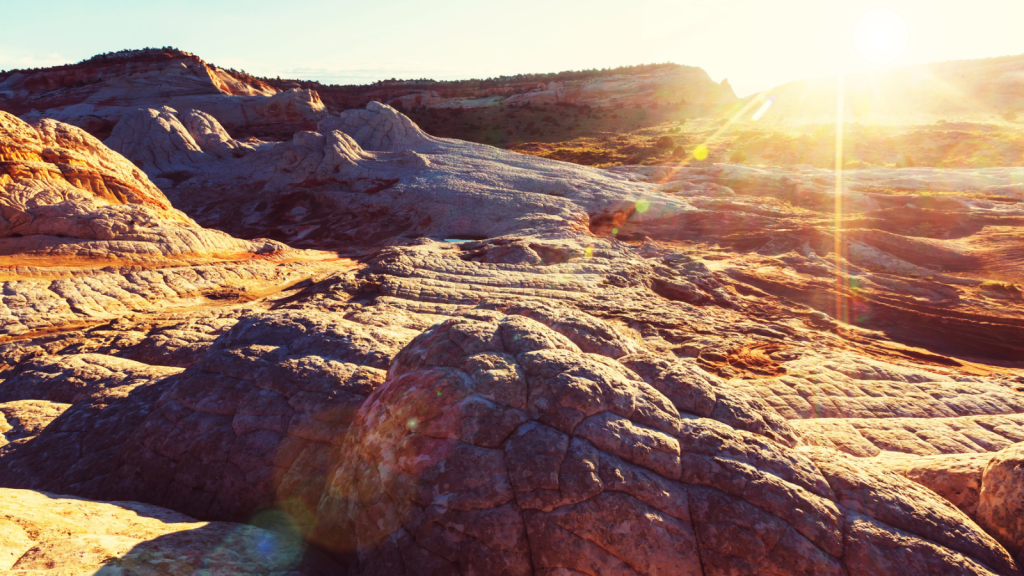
(881, 37)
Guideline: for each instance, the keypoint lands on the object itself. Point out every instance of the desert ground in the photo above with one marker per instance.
(604, 322)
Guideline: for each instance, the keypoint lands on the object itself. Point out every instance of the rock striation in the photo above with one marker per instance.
(97, 93)
(524, 367)
(999, 506)
(917, 266)
(65, 194)
(636, 86)
(499, 447)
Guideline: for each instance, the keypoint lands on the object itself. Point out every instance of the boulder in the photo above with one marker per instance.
(499, 447)
(1001, 505)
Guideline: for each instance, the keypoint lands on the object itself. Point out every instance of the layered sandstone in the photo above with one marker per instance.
(917, 265)
(500, 447)
(97, 93)
(65, 194)
(538, 368)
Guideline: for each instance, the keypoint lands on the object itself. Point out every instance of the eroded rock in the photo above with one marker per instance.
(586, 467)
(1001, 506)
(43, 532)
(66, 194)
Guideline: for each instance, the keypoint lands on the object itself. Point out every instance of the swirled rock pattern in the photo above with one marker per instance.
(98, 93)
(66, 194)
(506, 376)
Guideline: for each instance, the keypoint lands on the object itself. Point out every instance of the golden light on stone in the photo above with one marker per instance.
(492, 403)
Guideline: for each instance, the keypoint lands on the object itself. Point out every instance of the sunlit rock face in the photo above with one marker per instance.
(66, 194)
(499, 447)
(1001, 500)
(527, 367)
(98, 93)
(913, 267)
(49, 533)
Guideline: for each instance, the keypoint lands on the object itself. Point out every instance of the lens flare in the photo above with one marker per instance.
(764, 108)
(841, 272)
(701, 151)
(643, 206)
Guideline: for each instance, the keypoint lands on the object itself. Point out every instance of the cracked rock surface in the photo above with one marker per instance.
(499, 447)
(492, 381)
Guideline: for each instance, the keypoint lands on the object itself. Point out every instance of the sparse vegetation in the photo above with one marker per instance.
(1007, 288)
(601, 141)
(665, 142)
(658, 133)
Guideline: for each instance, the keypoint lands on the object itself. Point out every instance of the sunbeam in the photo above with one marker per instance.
(840, 272)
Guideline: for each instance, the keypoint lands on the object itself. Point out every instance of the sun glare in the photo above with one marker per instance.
(881, 37)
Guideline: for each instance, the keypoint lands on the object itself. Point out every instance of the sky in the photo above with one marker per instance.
(756, 44)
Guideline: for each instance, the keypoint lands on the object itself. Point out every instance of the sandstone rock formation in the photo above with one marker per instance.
(498, 447)
(66, 195)
(666, 84)
(325, 189)
(46, 533)
(1002, 502)
(26, 418)
(322, 190)
(96, 93)
(529, 367)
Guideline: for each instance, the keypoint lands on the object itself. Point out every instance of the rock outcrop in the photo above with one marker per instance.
(47, 533)
(97, 93)
(1001, 505)
(500, 448)
(26, 418)
(371, 174)
(639, 86)
(65, 194)
(526, 367)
